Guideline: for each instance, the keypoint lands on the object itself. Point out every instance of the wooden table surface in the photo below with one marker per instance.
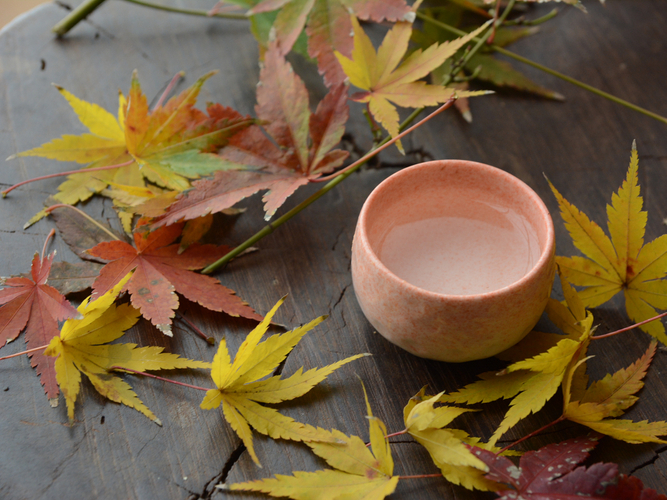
(112, 451)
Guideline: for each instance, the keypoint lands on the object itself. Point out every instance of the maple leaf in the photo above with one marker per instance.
(359, 472)
(328, 26)
(167, 146)
(81, 348)
(609, 397)
(159, 271)
(300, 148)
(37, 307)
(72, 278)
(622, 263)
(240, 390)
(384, 81)
(532, 381)
(447, 447)
(551, 472)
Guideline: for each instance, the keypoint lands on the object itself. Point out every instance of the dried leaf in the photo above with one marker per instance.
(159, 271)
(384, 81)
(82, 233)
(360, 472)
(240, 389)
(81, 348)
(622, 263)
(32, 304)
(327, 24)
(610, 397)
(167, 146)
(72, 278)
(301, 148)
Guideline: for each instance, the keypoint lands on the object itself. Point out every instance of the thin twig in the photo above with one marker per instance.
(83, 214)
(185, 320)
(550, 71)
(201, 13)
(120, 368)
(169, 88)
(530, 435)
(76, 16)
(51, 234)
(29, 351)
(62, 174)
(421, 476)
(627, 328)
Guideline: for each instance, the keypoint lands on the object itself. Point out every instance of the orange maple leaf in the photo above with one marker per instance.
(159, 271)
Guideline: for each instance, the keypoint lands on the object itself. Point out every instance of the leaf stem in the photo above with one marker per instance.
(271, 226)
(137, 372)
(201, 13)
(534, 22)
(83, 214)
(77, 15)
(627, 328)
(393, 434)
(29, 351)
(62, 174)
(194, 328)
(530, 435)
(168, 89)
(51, 234)
(550, 71)
(421, 476)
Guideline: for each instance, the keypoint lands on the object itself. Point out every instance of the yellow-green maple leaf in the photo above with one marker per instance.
(361, 473)
(82, 348)
(532, 381)
(384, 81)
(622, 263)
(240, 389)
(167, 146)
(610, 397)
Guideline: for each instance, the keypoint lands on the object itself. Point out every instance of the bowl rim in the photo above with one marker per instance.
(546, 253)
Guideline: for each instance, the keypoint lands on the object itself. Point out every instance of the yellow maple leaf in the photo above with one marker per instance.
(457, 463)
(82, 348)
(384, 81)
(622, 263)
(532, 381)
(610, 397)
(240, 389)
(168, 146)
(361, 473)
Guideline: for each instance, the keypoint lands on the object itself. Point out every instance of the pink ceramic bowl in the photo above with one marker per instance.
(453, 260)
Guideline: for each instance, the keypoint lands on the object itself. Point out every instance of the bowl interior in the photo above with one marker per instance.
(456, 227)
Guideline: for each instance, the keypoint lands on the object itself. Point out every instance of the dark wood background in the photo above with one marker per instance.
(112, 451)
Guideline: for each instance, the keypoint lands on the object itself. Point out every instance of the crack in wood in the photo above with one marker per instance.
(650, 461)
(210, 487)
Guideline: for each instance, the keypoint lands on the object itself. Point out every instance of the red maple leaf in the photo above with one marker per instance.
(37, 307)
(160, 271)
(551, 473)
(300, 148)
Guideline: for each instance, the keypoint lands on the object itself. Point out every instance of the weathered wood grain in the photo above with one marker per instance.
(582, 145)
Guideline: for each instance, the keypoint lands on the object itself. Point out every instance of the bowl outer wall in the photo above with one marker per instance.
(453, 328)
